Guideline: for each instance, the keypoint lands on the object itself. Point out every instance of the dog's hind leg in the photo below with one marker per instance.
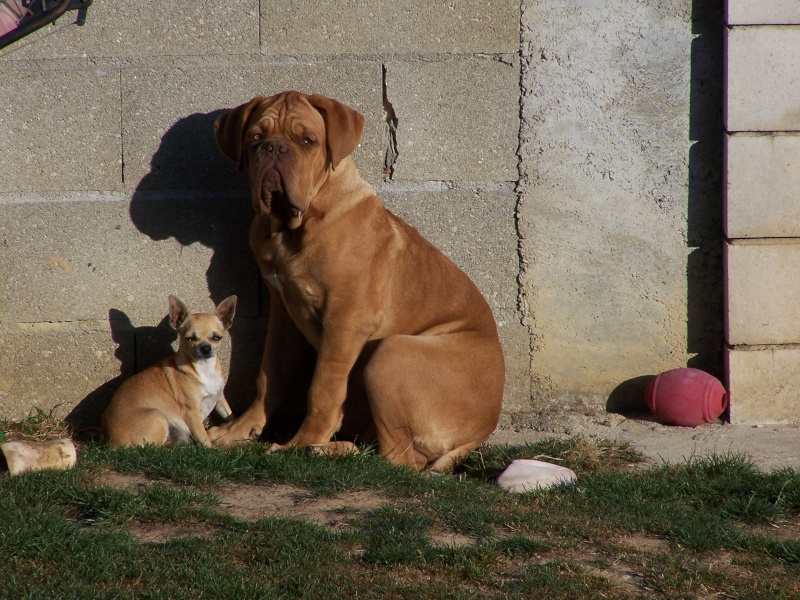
(434, 398)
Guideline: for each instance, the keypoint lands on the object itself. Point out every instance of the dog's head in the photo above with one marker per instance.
(199, 334)
(289, 142)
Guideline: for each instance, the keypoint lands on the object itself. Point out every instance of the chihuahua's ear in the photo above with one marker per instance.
(225, 311)
(178, 311)
(343, 126)
(229, 131)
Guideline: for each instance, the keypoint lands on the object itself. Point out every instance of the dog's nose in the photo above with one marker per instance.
(277, 147)
(205, 350)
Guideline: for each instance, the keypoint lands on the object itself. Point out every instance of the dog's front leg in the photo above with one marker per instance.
(339, 350)
(283, 356)
(198, 431)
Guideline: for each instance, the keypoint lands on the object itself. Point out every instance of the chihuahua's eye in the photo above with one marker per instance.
(216, 337)
(191, 338)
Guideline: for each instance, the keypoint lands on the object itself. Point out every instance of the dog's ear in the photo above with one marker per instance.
(225, 311)
(343, 126)
(178, 311)
(229, 131)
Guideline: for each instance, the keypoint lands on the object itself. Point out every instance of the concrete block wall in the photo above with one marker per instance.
(113, 195)
(762, 218)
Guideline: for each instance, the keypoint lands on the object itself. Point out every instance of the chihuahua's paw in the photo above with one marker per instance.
(231, 434)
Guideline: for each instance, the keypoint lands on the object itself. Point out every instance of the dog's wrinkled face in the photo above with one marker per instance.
(285, 145)
(199, 334)
(289, 142)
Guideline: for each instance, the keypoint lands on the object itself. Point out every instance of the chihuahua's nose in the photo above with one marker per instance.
(204, 350)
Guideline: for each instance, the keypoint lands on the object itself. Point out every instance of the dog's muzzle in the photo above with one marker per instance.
(203, 351)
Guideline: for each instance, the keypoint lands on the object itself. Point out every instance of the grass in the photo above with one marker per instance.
(711, 527)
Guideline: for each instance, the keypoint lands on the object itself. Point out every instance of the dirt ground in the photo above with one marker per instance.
(769, 446)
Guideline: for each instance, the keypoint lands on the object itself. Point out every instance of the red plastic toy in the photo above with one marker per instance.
(687, 397)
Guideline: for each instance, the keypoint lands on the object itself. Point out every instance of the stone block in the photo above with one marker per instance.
(763, 385)
(77, 261)
(763, 181)
(457, 120)
(762, 290)
(759, 12)
(59, 130)
(487, 254)
(169, 114)
(761, 92)
(57, 366)
(136, 28)
(344, 27)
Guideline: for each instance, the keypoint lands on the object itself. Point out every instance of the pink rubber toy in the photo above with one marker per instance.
(687, 397)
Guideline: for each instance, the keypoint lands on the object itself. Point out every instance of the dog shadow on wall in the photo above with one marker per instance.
(131, 342)
(193, 195)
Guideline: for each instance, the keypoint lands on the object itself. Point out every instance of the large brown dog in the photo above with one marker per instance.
(372, 330)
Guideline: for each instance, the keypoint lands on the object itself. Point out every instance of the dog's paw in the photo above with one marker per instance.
(231, 434)
(332, 449)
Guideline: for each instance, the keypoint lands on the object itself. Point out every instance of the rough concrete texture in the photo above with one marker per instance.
(762, 175)
(438, 134)
(758, 12)
(607, 182)
(52, 366)
(59, 131)
(147, 28)
(438, 26)
(763, 385)
(764, 59)
(762, 290)
(76, 261)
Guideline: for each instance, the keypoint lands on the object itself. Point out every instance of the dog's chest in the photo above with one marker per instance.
(301, 293)
(211, 383)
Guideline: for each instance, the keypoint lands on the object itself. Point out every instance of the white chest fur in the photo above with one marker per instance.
(212, 383)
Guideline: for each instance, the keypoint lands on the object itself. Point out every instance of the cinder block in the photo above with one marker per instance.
(344, 27)
(763, 181)
(59, 130)
(762, 282)
(136, 28)
(759, 12)
(487, 254)
(59, 365)
(457, 120)
(169, 113)
(762, 88)
(77, 261)
(764, 385)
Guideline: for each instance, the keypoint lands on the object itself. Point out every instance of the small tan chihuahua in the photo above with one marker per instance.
(168, 402)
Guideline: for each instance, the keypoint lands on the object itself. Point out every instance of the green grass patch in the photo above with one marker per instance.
(712, 527)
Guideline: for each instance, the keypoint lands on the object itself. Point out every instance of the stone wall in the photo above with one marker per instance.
(566, 154)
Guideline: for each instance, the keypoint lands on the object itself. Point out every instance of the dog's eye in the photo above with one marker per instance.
(257, 137)
(191, 338)
(216, 337)
(307, 141)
